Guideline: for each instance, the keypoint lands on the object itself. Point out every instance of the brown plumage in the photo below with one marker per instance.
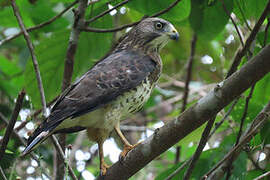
(115, 87)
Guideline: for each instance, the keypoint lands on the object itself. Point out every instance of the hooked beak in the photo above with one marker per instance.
(172, 33)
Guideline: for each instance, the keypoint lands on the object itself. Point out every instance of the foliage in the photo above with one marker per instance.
(216, 46)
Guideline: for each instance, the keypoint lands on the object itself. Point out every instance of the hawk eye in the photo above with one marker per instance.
(158, 25)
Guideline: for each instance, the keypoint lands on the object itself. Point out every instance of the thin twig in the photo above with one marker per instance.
(105, 12)
(200, 147)
(263, 176)
(167, 9)
(254, 163)
(11, 123)
(243, 15)
(189, 71)
(39, 25)
(224, 118)
(179, 169)
(98, 30)
(62, 155)
(241, 52)
(234, 23)
(31, 49)
(187, 81)
(37, 112)
(3, 173)
(245, 112)
(241, 127)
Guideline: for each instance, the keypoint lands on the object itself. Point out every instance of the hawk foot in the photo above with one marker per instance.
(103, 168)
(127, 148)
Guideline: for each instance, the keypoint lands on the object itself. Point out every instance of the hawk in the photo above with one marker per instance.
(115, 87)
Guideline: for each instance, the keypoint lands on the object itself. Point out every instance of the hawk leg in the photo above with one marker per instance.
(127, 146)
(103, 165)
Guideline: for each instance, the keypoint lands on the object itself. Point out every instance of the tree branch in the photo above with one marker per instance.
(244, 115)
(241, 52)
(31, 49)
(62, 155)
(11, 123)
(189, 71)
(200, 147)
(39, 25)
(199, 113)
(73, 43)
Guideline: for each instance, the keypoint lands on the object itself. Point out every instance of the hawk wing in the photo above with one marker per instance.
(108, 79)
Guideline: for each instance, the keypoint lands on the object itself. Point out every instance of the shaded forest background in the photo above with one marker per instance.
(217, 37)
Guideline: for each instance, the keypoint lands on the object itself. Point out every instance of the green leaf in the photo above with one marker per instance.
(208, 20)
(8, 67)
(253, 174)
(7, 160)
(265, 133)
(149, 7)
(9, 20)
(50, 55)
(248, 9)
(169, 171)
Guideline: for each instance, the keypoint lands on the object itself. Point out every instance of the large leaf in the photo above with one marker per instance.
(208, 19)
(265, 133)
(50, 54)
(247, 9)
(10, 77)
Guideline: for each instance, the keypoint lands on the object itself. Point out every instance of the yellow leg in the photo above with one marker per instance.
(127, 145)
(103, 165)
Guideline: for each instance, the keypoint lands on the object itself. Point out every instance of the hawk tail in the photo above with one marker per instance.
(39, 135)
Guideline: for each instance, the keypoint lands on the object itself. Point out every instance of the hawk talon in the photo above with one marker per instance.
(103, 168)
(127, 148)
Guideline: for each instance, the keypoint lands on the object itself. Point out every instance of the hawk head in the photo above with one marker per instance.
(151, 34)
